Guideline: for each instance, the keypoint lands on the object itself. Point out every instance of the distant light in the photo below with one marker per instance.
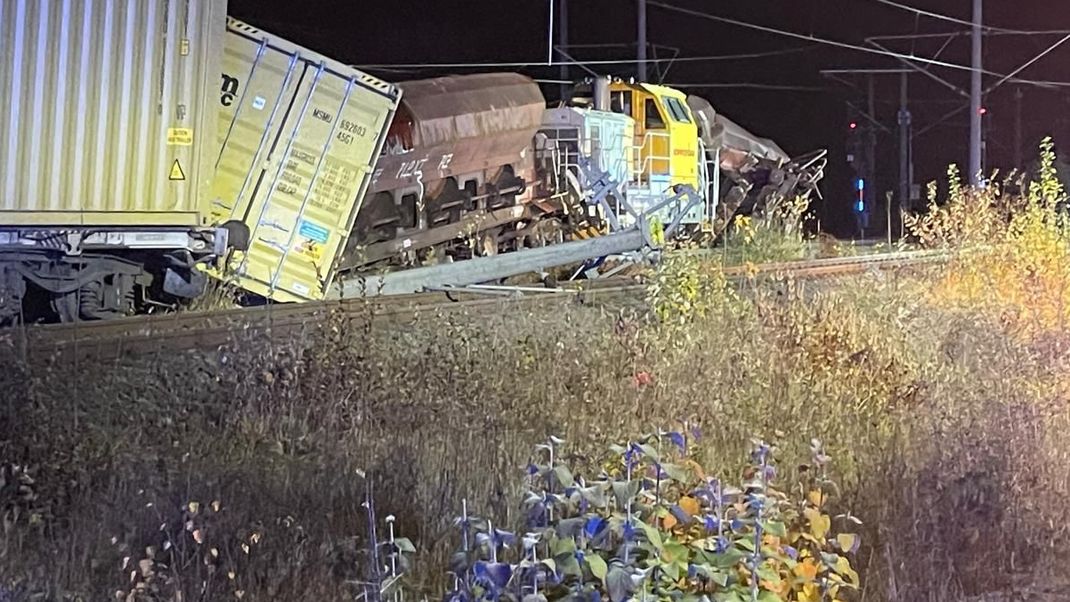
(860, 206)
(983, 111)
(854, 125)
(861, 185)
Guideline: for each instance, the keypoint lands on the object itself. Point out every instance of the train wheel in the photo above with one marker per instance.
(66, 306)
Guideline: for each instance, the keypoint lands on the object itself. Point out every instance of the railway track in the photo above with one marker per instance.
(184, 331)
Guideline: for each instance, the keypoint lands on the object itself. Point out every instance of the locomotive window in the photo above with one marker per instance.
(621, 102)
(677, 110)
(653, 117)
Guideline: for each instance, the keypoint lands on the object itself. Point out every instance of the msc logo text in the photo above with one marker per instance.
(229, 90)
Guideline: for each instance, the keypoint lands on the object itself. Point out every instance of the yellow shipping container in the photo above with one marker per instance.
(299, 135)
(104, 111)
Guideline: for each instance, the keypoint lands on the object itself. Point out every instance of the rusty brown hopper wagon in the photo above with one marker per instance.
(457, 163)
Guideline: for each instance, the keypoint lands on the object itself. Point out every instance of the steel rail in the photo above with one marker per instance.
(185, 331)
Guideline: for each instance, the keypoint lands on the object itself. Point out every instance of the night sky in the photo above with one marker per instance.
(367, 32)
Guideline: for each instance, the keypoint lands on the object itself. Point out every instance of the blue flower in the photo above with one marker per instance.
(696, 433)
(692, 571)
(629, 532)
(721, 545)
(712, 523)
(533, 470)
(791, 552)
(681, 516)
(494, 575)
(594, 526)
(770, 473)
(736, 525)
(756, 502)
(678, 439)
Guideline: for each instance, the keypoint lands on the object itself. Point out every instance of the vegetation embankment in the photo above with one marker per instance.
(937, 399)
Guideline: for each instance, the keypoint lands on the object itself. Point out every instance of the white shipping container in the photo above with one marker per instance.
(105, 111)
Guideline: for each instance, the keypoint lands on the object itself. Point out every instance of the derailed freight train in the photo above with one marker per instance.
(299, 178)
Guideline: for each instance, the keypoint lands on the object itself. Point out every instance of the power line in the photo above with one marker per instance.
(459, 65)
(752, 86)
(1025, 66)
(950, 19)
(838, 44)
(748, 85)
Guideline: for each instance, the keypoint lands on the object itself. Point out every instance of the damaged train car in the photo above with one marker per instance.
(755, 172)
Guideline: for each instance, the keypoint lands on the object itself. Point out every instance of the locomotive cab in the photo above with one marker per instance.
(668, 159)
(666, 136)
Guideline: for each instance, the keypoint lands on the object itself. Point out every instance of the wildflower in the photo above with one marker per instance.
(712, 523)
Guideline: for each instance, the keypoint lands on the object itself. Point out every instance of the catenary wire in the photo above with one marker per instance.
(838, 44)
(458, 65)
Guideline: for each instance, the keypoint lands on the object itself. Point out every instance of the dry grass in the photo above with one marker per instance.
(948, 424)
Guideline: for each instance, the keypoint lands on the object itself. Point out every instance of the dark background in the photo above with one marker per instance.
(365, 32)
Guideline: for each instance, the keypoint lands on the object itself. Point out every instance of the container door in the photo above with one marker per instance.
(295, 162)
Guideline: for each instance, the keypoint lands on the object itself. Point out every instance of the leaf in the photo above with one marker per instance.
(619, 584)
(671, 570)
(675, 472)
(650, 452)
(598, 566)
(652, 534)
(690, 505)
(562, 545)
(848, 542)
(728, 559)
(550, 564)
(843, 567)
(668, 522)
(767, 573)
(768, 596)
(404, 545)
(719, 577)
(819, 523)
(563, 476)
(673, 552)
(625, 491)
(776, 528)
(816, 497)
(570, 527)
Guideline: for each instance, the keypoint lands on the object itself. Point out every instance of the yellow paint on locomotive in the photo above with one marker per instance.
(666, 136)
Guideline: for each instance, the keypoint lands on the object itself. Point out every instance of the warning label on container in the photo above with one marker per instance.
(176, 172)
(179, 136)
(311, 250)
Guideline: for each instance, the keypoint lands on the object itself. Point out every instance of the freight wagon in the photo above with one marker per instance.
(143, 148)
(105, 153)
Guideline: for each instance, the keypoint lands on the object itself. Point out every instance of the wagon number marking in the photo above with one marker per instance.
(350, 129)
(411, 168)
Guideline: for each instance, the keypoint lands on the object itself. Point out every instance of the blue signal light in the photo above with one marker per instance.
(860, 206)
(861, 184)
